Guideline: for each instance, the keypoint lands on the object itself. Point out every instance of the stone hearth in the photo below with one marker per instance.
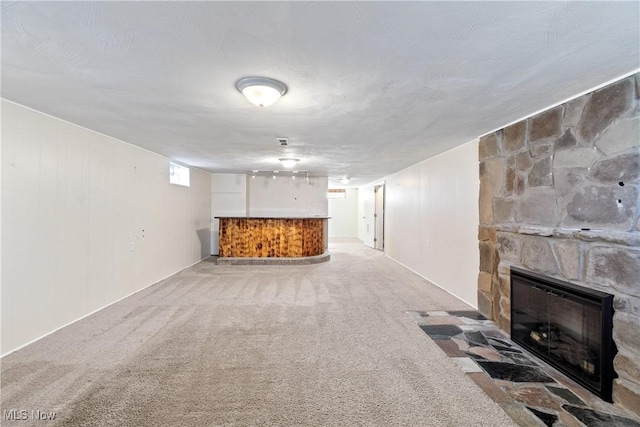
(527, 389)
(560, 196)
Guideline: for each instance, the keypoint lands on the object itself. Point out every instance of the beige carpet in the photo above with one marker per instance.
(319, 345)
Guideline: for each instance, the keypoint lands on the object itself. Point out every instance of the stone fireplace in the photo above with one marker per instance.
(560, 196)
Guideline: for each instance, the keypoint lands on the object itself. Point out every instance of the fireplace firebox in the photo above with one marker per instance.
(567, 325)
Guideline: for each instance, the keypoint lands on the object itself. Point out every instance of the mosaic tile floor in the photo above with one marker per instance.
(530, 391)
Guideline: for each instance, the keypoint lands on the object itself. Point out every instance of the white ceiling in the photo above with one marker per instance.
(373, 86)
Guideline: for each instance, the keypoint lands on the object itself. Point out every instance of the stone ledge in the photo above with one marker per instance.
(274, 261)
(619, 237)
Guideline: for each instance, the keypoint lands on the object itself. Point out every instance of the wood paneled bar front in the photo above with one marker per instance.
(272, 237)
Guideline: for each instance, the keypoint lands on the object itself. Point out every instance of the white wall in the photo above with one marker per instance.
(288, 197)
(86, 220)
(228, 198)
(431, 220)
(344, 215)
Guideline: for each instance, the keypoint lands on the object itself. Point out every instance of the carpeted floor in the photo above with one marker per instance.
(318, 345)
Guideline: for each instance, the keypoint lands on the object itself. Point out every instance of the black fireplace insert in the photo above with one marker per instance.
(567, 325)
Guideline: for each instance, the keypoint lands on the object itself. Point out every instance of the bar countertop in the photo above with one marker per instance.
(272, 217)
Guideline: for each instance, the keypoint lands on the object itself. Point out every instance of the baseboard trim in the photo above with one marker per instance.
(99, 309)
(317, 259)
(431, 281)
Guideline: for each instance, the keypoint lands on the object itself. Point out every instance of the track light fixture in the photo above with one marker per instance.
(288, 162)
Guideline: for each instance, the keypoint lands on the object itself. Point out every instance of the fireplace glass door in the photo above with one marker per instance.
(564, 328)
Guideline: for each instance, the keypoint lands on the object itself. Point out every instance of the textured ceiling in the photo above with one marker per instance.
(373, 86)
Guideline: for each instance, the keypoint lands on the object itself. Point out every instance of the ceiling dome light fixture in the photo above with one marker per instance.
(289, 162)
(345, 180)
(261, 91)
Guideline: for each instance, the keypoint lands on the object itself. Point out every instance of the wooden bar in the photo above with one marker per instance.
(252, 237)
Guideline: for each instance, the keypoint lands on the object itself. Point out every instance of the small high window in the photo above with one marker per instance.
(337, 193)
(178, 175)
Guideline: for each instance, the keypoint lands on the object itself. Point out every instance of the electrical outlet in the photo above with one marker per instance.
(132, 246)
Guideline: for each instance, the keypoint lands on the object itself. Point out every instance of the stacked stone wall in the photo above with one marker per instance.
(560, 195)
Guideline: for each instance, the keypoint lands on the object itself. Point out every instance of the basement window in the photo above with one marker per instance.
(178, 175)
(337, 193)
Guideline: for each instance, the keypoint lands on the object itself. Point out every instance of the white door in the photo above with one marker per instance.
(368, 224)
(379, 218)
